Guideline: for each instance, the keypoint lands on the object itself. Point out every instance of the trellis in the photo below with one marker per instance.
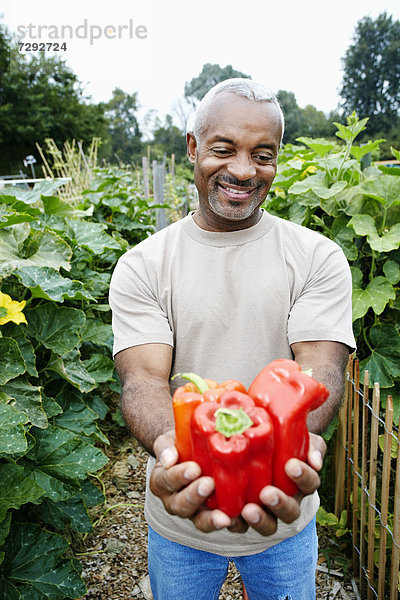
(367, 484)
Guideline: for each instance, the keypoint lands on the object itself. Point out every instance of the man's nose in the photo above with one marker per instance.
(242, 167)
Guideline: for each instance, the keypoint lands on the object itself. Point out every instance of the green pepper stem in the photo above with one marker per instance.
(232, 421)
(196, 379)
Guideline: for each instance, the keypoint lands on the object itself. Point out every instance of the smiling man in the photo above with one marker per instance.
(223, 292)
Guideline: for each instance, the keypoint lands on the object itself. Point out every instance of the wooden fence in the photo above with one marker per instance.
(367, 485)
(154, 184)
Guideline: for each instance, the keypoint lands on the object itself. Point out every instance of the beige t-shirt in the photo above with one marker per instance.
(229, 303)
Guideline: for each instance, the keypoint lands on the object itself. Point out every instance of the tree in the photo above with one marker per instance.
(40, 98)
(124, 130)
(306, 121)
(210, 76)
(371, 80)
(292, 114)
(169, 139)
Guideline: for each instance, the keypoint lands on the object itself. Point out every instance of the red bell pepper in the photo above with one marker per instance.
(233, 442)
(186, 398)
(288, 394)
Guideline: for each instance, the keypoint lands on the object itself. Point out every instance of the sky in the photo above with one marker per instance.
(153, 47)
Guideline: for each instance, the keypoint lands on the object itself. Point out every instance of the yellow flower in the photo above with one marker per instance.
(280, 192)
(13, 308)
(308, 171)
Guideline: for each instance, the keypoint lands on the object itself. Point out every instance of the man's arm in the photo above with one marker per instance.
(328, 362)
(146, 403)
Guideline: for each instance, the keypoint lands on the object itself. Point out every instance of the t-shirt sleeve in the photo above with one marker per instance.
(137, 316)
(323, 309)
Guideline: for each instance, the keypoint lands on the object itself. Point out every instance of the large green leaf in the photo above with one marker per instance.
(318, 185)
(359, 151)
(58, 328)
(46, 282)
(392, 271)
(18, 333)
(71, 368)
(12, 362)
(376, 295)
(59, 459)
(72, 513)
(97, 332)
(365, 225)
(12, 430)
(16, 488)
(92, 236)
(320, 146)
(47, 250)
(9, 217)
(385, 189)
(27, 398)
(80, 416)
(383, 364)
(100, 367)
(344, 237)
(34, 557)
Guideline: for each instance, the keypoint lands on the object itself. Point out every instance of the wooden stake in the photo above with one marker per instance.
(340, 451)
(372, 486)
(349, 440)
(394, 574)
(364, 454)
(356, 435)
(387, 449)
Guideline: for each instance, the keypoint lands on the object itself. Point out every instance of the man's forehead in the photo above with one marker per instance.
(229, 110)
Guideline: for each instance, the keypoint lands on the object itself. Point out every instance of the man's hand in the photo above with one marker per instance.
(184, 491)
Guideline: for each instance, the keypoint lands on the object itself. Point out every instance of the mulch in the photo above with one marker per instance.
(114, 556)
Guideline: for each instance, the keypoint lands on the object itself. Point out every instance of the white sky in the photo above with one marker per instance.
(287, 44)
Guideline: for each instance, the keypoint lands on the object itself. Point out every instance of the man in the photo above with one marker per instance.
(222, 293)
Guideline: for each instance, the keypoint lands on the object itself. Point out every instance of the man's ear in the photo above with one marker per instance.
(191, 147)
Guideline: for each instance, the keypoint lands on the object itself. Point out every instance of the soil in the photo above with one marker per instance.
(114, 556)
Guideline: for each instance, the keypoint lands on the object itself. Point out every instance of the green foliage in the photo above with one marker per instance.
(40, 98)
(169, 139)
(371, 81)
(125, 136)
(55, 353)
(321, 184)
(303, 121)
(210, 75)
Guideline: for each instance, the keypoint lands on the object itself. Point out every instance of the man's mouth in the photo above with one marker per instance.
(236, 193)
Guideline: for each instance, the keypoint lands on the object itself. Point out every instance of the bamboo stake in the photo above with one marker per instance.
(372, 487)
(349, 440)
(387, 449)
(42, 156)
(340, 453)
(364, 454)
(356, 436)
(394, 575)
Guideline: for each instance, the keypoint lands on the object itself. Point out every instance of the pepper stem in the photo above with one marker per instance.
(196, 379)
(232, 421)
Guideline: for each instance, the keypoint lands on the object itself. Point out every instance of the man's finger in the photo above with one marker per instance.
(316, 452)
(174, 478)
(304, 476)
(260, 519)
(210, 520)
(165, 451)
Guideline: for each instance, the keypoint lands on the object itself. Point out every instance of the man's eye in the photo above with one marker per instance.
(264, 158)
(221, 151)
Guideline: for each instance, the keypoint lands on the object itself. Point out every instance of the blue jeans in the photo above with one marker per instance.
(285, 571)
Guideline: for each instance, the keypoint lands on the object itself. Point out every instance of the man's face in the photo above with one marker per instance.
(235, 160)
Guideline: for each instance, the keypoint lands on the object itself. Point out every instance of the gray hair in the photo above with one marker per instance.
(242, 87)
